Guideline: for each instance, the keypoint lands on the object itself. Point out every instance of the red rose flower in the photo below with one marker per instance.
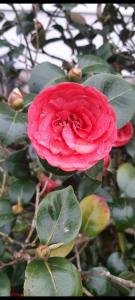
(124, 135)
(52, 184)
(71, 126)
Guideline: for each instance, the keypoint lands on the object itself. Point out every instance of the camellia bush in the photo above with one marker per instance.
(67, 172)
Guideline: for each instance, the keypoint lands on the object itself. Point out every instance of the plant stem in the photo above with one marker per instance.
(10, 239)
(86, 292)
(115, 279)
(19, 22)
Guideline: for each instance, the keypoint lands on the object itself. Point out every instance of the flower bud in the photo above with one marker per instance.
(15, 99)
(17, 209)
(50, 184)
(38, 25)
(43, 252)
(75, 73)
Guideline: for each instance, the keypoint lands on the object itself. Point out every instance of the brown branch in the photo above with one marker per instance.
(10, 240)
(115, 279)
(78, 259)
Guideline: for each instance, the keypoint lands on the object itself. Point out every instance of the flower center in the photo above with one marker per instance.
(65, 118)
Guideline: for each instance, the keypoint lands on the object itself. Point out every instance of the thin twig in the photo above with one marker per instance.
(9, 239)
(80, 250)
(115, 279)
(37, 35)
(33, 221)
(19, 22)
(3, 184)
(86, 292)
(53, 56)
(10, 263)
(45, 185)
(78, 259)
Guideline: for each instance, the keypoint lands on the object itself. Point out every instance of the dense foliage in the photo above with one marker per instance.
(67, 233)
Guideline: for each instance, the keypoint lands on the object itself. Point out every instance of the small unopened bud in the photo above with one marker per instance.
(15, 99)
(75, 73)
(38, 25)
(17, 209)
(43, 252)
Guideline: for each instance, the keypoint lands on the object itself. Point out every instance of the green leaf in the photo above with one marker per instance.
(57, 277)
(87, 186)
(69, 6)
(120, 93)
(18, 274)
(94, 64)
(63, 250)
(44, 164)
(28, 98)
(43, 75)
(116, 264)
(124, 216)
(2, 247)
(17, 51)
(4, 43)
(16, 164)
(96, 171)
(128, 275)
(4, 284)
(6, 215)
(12, 125)
(126, 179)
(100, 285)
(58, 217)
(95, 215)
(130, 148)
(105, 51)
(22, 190)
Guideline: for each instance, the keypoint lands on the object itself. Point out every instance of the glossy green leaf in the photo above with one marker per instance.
(17, 165)
(87, 186)
(120, 93)
(12, 125)
(4, 284)
(6, 215)
(95, 215)
(43, 75)
(63, 250)
(22, 190)
(124, 215)
(99, 285)
(58, 217)
(116, 264)
(57, 277)
(96, 171)
(105, 51)
(55, 171)
(28, 98)
(94, 64)
(130, 148)
(126, 179)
